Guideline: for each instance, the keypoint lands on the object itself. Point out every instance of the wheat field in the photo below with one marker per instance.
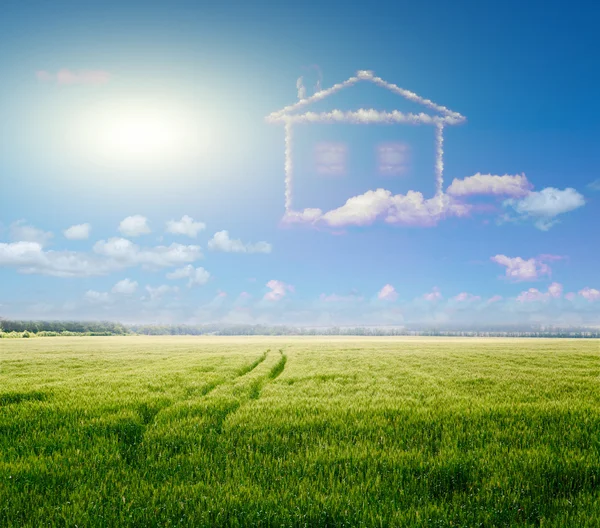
(297, 431)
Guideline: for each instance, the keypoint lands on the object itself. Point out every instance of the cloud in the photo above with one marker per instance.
(108, 256)
(301, 88)
(516, 186)
(98, 297)
(534, 295)
(134, 226)
(30, 258)
(591, 294)
(21, 232)
(360, 210)
(434, 295)
(330, 158)
(125, 287)
(78, 232)
(221, 242)
(494, 299)
(387, 293)
(278, 291)
(544, 206)
(160, 291)
(466, 297)
(519, 269)
(410, 209)
(595, 185)
(196, 276)
(186, 226)
(125, 253)
(393, 158)
(68, 77)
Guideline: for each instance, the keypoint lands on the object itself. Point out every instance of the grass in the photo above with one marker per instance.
(290, 432)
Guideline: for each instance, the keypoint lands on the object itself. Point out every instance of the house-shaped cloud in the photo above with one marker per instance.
(433, 114)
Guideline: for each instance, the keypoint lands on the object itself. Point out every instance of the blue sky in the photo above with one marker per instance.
(125, 116)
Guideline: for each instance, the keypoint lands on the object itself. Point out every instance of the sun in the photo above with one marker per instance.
(137, 133)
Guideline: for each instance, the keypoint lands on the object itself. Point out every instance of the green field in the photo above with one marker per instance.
(206, 431)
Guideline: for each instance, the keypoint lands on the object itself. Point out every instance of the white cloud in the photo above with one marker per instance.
(98, 297)
(534, 295)
(126, 254)
(78, 232)
(186, 226)
(30, 258)
(301, 88)
(160, 291)
(434, 295)
(278, 291)
(466, 297)
(387, 293)
(221, 242)
(360, 210)
(196, 276)
(134, 226)
(125, 287)
(519, 269)
(494, 299)
(488, 184)
(591, 294)
(544, 206)
(21, 232)
(410, 209)
(108, 256)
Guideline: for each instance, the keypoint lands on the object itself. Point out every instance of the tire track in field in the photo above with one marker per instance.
(132, 434)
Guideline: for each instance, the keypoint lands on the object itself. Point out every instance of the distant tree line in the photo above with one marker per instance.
(50, 328)
(10, 328)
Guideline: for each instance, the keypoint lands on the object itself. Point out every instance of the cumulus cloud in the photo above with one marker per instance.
(591, 294)
(387, 293)
(278, 289)
(125, 287)
(126, 254)
(108, 256)
(221, 242)
(21, 232)
(544, 206)
(65, 76)
(434, 295)
(466, 297)
(97, 297)
(534, 295)
(519, 269)
(186, 226)
(508, 185)
(30, 258)
(78, 232)
(410, 209)
(134, 226)
(196, 276)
